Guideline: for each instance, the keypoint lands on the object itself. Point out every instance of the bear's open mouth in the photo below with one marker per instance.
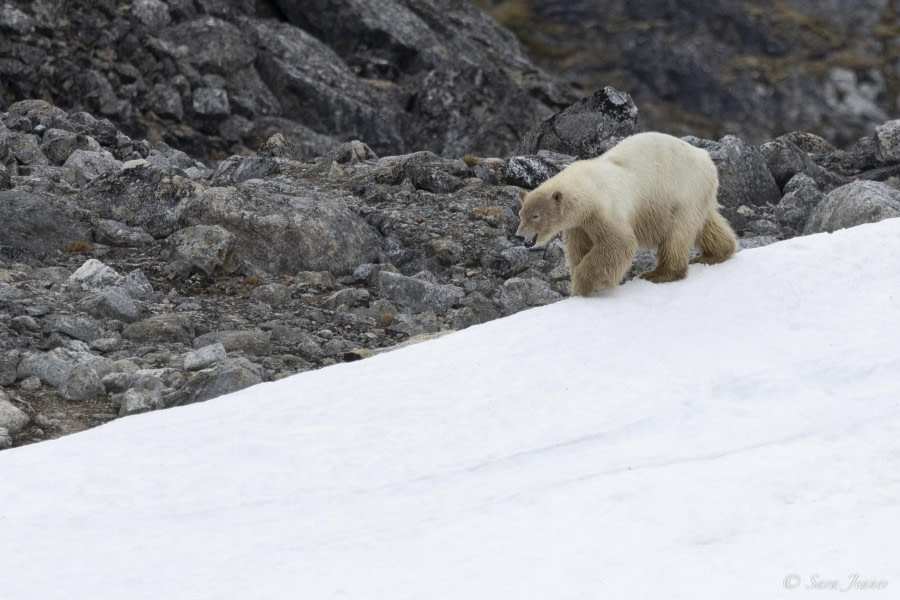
(529, 242)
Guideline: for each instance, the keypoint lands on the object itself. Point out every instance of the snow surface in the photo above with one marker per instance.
(703, 439)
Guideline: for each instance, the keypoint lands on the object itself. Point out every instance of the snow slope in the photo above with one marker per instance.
(705, 439)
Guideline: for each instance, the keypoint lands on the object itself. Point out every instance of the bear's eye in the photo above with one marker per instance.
(535, 217)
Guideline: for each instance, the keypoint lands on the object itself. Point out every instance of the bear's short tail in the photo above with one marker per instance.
(717, 241)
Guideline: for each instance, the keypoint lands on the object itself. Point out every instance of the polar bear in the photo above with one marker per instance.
(651, 190)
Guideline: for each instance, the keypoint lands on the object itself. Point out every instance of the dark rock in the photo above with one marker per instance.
(50, 369)
(141, 195)
(854, 204)
(110, 303)
(415, 293)
(587, 128)
(801, 196)
(520, 293)
(138, 400)
(114, 233)
(229, 376)
(529, 171)
(38, 225)
(744, 177)
(80, 328)
(428, 172)
(137, 285)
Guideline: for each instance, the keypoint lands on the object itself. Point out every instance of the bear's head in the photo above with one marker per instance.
(540, 217)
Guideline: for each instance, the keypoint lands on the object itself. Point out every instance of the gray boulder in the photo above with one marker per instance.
(587, 128)
(38, 225)
(91, 163)
(854, 204)
(415, 293)
(114, 233)
(50, 369)
(284, 229)
(521, 293)
(226, 377)
(204, 357)
(887, 142)
(111, 303)
(137, 285)
(274, 294)
(5, 439)
(74, 326)
(744, 176)
(81, 383)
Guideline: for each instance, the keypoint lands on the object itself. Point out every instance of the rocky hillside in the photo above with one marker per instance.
(216, 78)
(134, 278)
(745, 67)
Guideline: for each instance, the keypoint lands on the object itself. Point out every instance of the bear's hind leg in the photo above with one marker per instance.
(716, 240)
(671, 261)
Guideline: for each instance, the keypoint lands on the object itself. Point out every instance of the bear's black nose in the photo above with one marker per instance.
(530, 243)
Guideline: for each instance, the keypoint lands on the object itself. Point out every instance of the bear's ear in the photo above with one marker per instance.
(522, 194)
(557, 196)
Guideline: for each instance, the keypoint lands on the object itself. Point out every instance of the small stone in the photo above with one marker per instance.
(137, 285)
(105, 345)
(114, 233)
(5, 439)
(520, 293)
(203, 248)
(30, 384)
(111, 303)
(9, 361)
(161, 329)
(887, 142)
(274, 294)
(253, 342)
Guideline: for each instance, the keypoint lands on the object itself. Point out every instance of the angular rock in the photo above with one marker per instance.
(12, 418)
(254, 342)
(801, 196)
(447, 252)
(413, 325)
(346, 299)
(95, 274)
(137, 285)
(350, 152)
(521, 293)
(81, 383)
(111, 303)
(229, 376)
(854, 204)
(30, 384)
(38, 225)
(529, 171)
(285, 229)
(428, 172)
(114, 233)
(204, 357)
(91, 163)
(74, 326)
(587, 128)
(161, 329)
(887, 142)
(416, 294)
(138, 400)
(5, 439)
(203, 248)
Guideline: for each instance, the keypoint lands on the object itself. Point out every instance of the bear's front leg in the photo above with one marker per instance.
(577, 243)
(604, 265)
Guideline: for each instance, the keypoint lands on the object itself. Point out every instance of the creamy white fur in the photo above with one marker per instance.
(651, 190)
